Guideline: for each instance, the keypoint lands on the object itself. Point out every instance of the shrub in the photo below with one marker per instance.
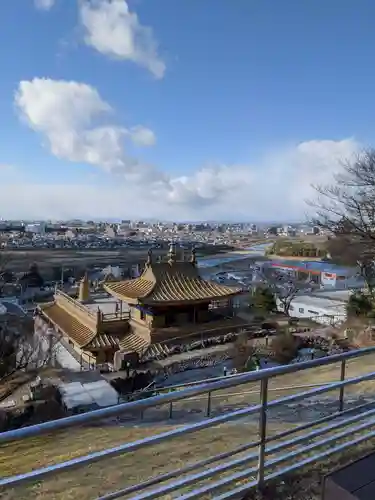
(241, 352)
(359, 305)
(264, 300)
(285, 347)
(270, 325)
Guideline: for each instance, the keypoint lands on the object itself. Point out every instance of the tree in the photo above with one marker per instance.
(264, 300)
(283, 290)
(241, 352)
(20, 349)
(285, 347)
(359, 305)
(283, 286)
(285, 293)
(347, 251)
(33, 277)
(346, 208)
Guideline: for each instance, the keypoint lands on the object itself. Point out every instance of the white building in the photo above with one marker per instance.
(323, 307)
(38, 228)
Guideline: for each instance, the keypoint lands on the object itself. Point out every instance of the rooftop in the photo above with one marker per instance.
(93, 394)
(320, 303)
(76, 330)
(314, 266)
(338, 295)
(169, 282)
(106, 304)
(11, 307)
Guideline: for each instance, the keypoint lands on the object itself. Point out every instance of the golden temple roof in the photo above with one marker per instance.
(103, 340)
(135, 343)
(169, 282)
(81, 334)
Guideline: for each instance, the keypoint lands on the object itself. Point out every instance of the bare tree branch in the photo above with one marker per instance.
(347, 207)
(21, 349)
(346, 210)
(284, 291)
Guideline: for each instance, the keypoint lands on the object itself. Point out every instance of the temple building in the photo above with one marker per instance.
(169, 302)
(92, 325)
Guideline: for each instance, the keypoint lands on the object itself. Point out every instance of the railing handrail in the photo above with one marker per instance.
(75, 303)
(127, 447)
(171, 397)
(114, 316)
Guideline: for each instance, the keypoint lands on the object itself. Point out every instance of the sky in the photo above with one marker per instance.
(180, 109)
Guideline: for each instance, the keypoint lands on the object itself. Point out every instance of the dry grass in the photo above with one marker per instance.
(291, 383)
(307, 483)
(95, 480)
(103, 477)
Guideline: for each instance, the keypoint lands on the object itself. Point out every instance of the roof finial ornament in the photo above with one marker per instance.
(193, 258)
(172, 253)
(149, 257)
(84, 289)
(98, 316)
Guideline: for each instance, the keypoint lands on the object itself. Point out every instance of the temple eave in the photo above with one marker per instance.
(85, 337)
(187, 301)
(168, 295)
(123, 297)
(178, 302)
(68, 324)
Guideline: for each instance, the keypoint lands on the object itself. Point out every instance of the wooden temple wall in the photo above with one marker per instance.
(158, 321)
(116, 325)
(138, 315)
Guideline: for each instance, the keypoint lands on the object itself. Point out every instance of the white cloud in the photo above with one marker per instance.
(275, 187)
(72, 117)
(111, 29)
(265, 191)
(77, 125)
(44, 4)
(142, 136)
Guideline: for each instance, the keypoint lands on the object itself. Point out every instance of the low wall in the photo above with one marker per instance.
(82, 314)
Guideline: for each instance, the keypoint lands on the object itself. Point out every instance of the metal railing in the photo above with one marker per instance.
(269, 461)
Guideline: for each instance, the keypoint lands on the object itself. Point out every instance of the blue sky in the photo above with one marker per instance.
(180, 109)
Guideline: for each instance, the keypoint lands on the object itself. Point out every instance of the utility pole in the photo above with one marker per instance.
(62, 277)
